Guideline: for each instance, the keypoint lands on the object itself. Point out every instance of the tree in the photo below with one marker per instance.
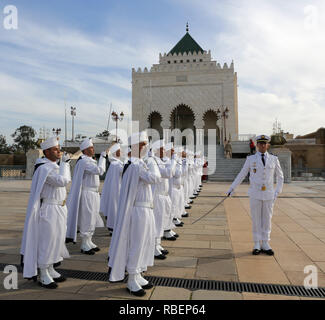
(3, 144)
(24, 138)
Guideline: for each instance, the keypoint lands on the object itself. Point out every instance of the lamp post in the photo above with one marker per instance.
(223, 114)
(117, 118)
(56, 132)
(73, 114)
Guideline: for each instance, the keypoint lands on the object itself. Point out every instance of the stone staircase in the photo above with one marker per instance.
(225, 169)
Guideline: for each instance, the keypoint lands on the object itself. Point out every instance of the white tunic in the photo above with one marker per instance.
(111, 191)
(261, 177)
(185, 181)
(89, 217)
(43, 240)
(53, 220)
(133, 242)
(83, 200)
(162, 201)
(176, 191)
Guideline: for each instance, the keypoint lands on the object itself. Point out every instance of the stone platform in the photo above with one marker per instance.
(216, 248)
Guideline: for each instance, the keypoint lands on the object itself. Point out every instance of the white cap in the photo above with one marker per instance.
(263, 138)
(115, 147)
(169, 146)
(138, 137)
(49, 143)
(86, 144)
(158, 144)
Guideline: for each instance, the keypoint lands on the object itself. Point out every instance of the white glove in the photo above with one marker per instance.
(103, 154)
(275, 195)
(65, 157)
(230, 192)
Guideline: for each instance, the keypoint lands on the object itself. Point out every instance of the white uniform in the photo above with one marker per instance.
(133, 242)
(185, 172)
(176, 191)
(261, 191)
(111, 192)
(43, 242)
(84, 201)
(89, 217)
(161, 199)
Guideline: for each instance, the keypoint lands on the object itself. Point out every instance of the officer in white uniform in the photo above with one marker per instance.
(261, 168)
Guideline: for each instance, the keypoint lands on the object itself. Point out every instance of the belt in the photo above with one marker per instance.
(144, 204)
(90, 189)
(164, 194)
(54, 202)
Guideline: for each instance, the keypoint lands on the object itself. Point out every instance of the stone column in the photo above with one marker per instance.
(166, 131)
(31, 157)
(284, 156)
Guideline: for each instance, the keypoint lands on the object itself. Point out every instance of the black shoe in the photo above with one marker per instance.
(96, 249)
(176, 235)
(149, 285)
(139, 293)
(269, 252)
(200, 186)
(192, 197)
(175, 220)
(170, 238)
(51, 285)
(191, 202)
(188, 207)
(196, 194)
(178, 225)
(185, 215)
(160, 257)
(60, 279)
(89, 252)
(165, 252)
(256, 252)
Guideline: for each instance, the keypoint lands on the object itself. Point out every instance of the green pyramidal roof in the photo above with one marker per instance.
(186, 44)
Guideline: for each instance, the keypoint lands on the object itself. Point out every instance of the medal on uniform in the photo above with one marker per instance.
(254, 170)
(263, 188)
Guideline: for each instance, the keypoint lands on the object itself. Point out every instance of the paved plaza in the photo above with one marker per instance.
(217, 247)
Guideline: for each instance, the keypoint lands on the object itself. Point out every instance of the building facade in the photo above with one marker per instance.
(185, 90)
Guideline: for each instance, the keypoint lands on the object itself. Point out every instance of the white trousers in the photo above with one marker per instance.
(141, 248)
(89, 217)
(261, 213)
(52, 228)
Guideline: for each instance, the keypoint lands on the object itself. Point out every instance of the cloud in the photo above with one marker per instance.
(42, 65)
(276, 47)
(278, 53)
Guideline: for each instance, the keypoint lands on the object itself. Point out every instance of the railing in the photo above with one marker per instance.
(12, 172)
(246, 137)
(308, 172)
(301, 141)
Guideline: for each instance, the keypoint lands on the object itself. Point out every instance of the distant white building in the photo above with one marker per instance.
(185, 90)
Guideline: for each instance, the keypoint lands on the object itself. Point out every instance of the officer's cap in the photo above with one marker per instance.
(263, 138)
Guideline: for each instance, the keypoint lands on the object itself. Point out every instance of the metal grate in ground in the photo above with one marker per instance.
(198, 284)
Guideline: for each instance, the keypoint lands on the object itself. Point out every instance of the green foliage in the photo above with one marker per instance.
(24, 138)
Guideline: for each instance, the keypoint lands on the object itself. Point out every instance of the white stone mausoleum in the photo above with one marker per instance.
(185, 90)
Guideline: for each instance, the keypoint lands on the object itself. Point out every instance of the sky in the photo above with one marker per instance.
(80, 53)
